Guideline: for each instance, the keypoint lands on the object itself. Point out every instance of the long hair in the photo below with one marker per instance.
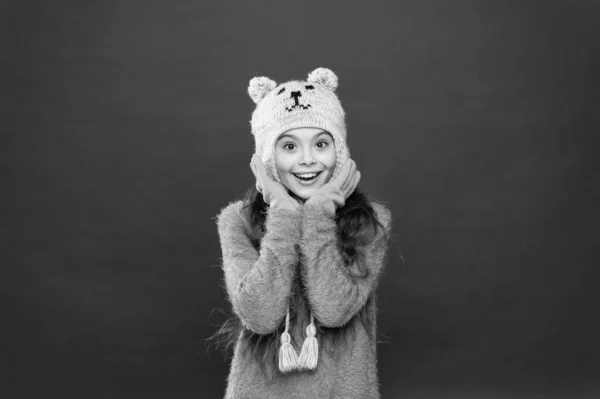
(356, 223)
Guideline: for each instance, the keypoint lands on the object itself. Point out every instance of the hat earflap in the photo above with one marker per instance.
(259, 87)
(324, 77)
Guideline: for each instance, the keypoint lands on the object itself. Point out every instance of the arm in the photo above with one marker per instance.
(258, 283)
(333, 295)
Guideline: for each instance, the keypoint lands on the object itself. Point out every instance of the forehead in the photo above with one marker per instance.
(305, 133)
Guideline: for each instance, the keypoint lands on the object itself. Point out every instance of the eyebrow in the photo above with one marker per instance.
(293, 136)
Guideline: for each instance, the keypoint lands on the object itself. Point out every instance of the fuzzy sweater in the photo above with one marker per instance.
(300, 249)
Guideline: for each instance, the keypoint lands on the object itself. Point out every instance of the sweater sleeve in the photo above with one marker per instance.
(334, 296)
(259, 283)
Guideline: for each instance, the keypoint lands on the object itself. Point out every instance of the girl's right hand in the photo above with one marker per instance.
(274, 193)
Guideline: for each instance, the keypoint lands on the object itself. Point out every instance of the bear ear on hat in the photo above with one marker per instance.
(259, 87)
(325, 77)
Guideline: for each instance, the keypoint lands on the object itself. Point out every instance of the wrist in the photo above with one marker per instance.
(320, 205)
(287, 204)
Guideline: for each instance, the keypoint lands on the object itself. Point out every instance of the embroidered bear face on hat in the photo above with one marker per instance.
(295, 104)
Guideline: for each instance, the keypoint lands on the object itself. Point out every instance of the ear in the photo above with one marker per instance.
(259, 87)
(325, 77)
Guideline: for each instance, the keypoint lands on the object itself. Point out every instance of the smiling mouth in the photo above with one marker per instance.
(306, 176)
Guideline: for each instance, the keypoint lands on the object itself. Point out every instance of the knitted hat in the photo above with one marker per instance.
(296, 104)
(290, 105)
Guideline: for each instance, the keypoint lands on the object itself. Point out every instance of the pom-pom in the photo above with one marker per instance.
(259, 87)
(325, 77)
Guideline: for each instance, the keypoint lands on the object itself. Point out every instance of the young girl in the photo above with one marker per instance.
(302, 253)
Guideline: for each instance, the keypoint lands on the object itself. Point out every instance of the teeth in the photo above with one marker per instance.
(306, 175)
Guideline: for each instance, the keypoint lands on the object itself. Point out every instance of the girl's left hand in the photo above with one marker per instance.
(334, 193)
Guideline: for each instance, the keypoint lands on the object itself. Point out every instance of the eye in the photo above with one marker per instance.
(309, 87)
(281, 91)
(289, 146)
(322, 144)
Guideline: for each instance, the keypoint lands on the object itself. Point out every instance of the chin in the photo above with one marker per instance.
(303, 194)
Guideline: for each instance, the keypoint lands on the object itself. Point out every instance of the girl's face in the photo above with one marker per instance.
(305, 160)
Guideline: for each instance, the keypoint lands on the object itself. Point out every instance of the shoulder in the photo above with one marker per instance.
(231, 215)
(384, 215)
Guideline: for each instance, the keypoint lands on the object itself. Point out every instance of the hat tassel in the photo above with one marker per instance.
(309, 356)
(288, 359)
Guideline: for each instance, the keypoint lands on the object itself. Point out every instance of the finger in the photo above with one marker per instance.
(347, 185)
(350, 175)
(352, 172)
(347, 168)
(253, 163)
(260, 176)
(349, 189)
(339, 199)
(254, 170)
(260, 169)
(342, 176)
(355, 183)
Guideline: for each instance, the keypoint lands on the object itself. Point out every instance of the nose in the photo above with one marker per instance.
(295, 95)
(308, 158)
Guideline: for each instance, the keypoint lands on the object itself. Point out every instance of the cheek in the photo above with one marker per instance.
(330, 158)
(283, 162)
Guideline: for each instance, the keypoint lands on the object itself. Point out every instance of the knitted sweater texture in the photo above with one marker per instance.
(300, 249)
